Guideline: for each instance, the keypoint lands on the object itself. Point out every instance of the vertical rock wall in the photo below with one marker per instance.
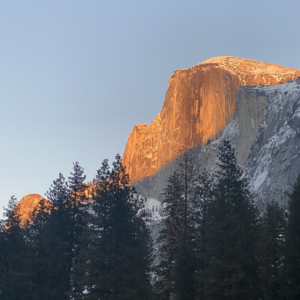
(200, 102)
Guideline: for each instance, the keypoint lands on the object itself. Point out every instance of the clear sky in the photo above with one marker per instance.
(76, 76)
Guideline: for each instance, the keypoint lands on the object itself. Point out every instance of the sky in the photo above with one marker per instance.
(76, 76)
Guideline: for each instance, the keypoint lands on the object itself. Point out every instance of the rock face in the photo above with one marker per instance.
(265, 132)
(199, 104)
(249, 103)
(26, 206)
(273, 163)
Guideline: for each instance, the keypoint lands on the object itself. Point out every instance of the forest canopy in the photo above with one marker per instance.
(94, 240)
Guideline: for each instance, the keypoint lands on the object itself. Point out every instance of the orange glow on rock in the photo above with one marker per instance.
(27, 205)
(199, 104)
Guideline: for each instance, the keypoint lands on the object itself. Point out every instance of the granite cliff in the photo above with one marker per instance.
(273, 163)
(254, 105)
(27, 205)
(200, 102)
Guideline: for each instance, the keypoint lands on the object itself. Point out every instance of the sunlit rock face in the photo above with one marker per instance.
(27, 205)
(141, 153)
(200, 102)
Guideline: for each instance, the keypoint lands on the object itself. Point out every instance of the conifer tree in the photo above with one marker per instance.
(271, 249)
(58, 194)
(169, 237)
(131, 245)
(37, 236)
(176, 271)
(186, 173)
(115, 262)
(232, 234)
(291, 289)
(75, 212)
(16, 276)
(57, 239)
(203, 195)
(93, 255)
(2, 253)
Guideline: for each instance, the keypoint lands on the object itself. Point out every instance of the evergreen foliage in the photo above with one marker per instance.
(203, 195)
(37, 236)
(93, 242)
(16, 274)
(271, 250)
(57, 239)
(115, 260)
(176, 270)
(75, 216)
(169, 238)
(232, 234)
(291, 280)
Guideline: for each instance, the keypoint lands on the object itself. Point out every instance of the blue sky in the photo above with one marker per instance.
(76, 76)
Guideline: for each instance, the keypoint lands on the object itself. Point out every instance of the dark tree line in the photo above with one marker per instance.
(93, 242)
(214, 244)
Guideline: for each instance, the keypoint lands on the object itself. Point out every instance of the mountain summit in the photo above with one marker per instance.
(254, 105)
(26, 206)
(200, 102)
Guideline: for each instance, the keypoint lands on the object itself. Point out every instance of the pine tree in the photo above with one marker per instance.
(291, 288)
(37, 235)
(75, 212)
(184, 271)
(232, 230)
(186, 172)
(58, 194)
(93, 256)
(131, 239)
(57, 240)
(271, 248)
(115, 262)
(176, 271)
(2, 254)
(16, 275)
(169, 236)
(203, 195)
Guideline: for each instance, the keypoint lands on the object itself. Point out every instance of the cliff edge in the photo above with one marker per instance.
(200, 102)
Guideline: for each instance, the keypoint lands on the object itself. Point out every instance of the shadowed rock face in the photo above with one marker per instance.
(273, 163)
(26, 206)
(200, 102)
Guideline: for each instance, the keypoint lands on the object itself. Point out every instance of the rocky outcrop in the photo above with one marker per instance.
(265, 132)
(141, 153)
(266, 137)
(200, 102)
(243, 101)
(273, 163)
(27, 205)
